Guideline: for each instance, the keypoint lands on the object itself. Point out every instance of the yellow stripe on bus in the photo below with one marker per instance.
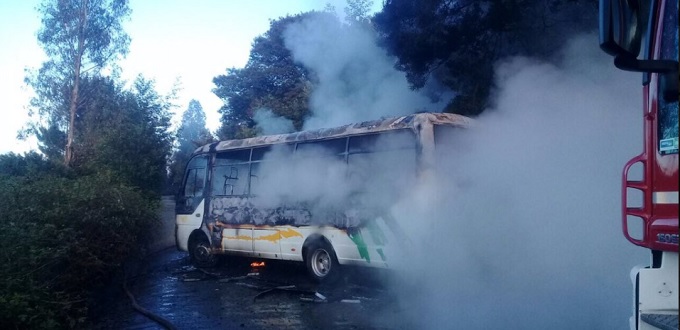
(281, 234)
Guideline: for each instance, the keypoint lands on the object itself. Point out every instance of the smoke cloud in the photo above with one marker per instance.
(269, 123)
(521, 227)
(356, 78)
(526, 231)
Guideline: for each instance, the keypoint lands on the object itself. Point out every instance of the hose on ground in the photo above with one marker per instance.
(154, 317)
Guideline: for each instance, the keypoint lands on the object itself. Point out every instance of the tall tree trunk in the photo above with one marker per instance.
(68, 157)
(73, 104)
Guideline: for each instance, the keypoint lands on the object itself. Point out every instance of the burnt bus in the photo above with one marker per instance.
(321, 197)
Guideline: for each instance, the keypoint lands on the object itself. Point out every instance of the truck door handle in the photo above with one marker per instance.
(198, 215)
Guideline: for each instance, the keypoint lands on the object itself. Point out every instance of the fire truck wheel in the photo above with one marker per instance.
(322, 264)
(199, 251)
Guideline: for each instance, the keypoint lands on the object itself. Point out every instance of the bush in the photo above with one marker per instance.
(62, 236)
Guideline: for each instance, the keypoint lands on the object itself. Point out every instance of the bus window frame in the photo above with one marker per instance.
(231, 163)
(186, 204)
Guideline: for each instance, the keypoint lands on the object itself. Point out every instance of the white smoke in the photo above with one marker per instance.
(521, 228)
(356, 78)
(269, 123)
(315, 176)
(325, 183)
(526, 228)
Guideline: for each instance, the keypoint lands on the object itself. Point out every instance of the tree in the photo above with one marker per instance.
(191, 134)
(458, 42)
(79, 223)
(80, 37)
(356, 12)
(61, 237)
(125, 132)
(270, 79)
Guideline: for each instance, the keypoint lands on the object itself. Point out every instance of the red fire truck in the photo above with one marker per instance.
(643, 37)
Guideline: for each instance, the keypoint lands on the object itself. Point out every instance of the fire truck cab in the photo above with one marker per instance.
(643, 37)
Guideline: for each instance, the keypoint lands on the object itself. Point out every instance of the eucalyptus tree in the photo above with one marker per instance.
(357, 12)
(81, 38)
(191, 134)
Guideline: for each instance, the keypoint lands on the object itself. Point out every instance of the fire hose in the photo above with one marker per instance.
(154, 317)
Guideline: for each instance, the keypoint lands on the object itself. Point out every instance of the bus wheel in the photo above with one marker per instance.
(199, 251)
(321, 262)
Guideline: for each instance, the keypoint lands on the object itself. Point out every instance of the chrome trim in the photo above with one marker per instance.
(665, 197)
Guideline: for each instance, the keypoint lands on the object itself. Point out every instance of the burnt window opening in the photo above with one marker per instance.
(384, 141)
(231, 180)
(232, 157)
(445, 135)
(382, 165)
(231, 173)
(194, 181)
(322, 148)
(272, 152)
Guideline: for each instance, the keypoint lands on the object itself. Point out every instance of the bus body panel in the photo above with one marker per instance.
(237, 240)
(185, 224)
(359, 247)
(267, 242)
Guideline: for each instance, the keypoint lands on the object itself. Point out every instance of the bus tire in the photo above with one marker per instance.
(322, 264)
(200, 252)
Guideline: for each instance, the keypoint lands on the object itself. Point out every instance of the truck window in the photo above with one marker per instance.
(668, 111)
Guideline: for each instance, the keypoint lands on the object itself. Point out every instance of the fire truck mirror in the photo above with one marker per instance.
(620, 27)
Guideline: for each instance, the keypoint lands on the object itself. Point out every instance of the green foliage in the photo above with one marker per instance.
(458, 42)
(96, 23)
(80, 38)
(356, 11)
(270, 79)
(191, 134)
(65, 229)
(61, 236)
(124, 131)
(30, 164)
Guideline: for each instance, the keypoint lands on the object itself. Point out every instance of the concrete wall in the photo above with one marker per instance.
(164, 237)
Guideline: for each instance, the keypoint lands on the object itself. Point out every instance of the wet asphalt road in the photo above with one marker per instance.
(237, 296)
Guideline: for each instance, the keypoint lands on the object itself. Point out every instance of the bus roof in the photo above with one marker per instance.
(384, 124)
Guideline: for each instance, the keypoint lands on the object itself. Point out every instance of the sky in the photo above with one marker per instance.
(192, 41)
